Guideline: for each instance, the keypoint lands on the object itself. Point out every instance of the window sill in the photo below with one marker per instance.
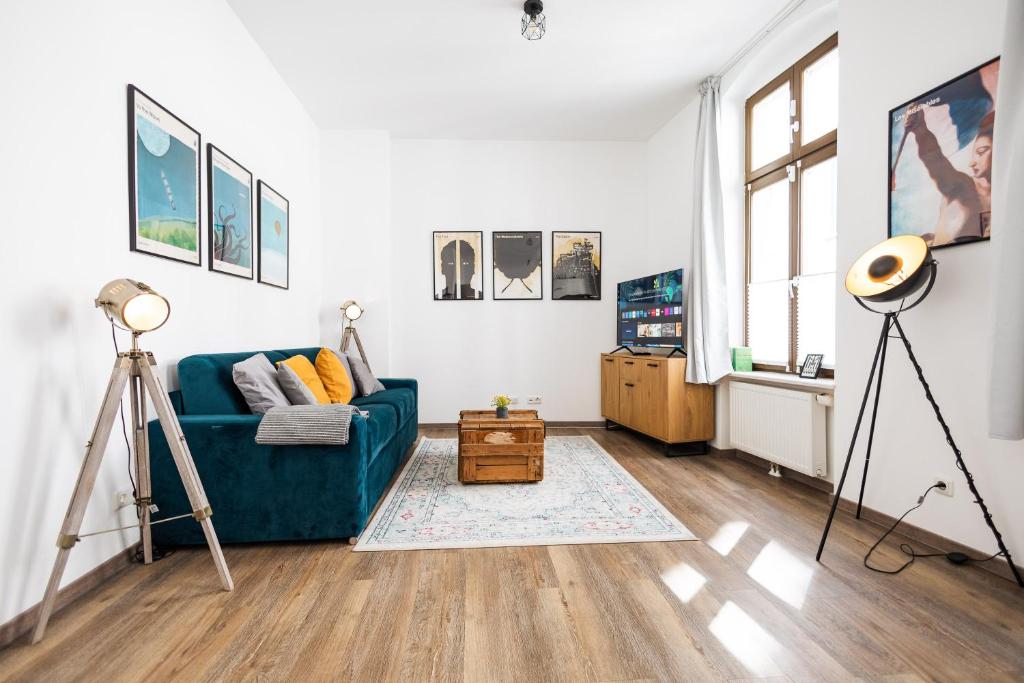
(783, 379)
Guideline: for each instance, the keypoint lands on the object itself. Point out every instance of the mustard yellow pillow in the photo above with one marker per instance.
(332, 373)
(306, 373)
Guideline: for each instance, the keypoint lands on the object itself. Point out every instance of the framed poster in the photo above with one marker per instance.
(229, 204)
(576, 265)
(458, 266)
(163, 181)
(940, 161)
(516, 271)
(272, 235)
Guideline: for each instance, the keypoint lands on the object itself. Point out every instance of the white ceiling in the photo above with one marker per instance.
(606, 70)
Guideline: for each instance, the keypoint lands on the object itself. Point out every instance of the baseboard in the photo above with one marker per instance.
(579, 424)
(932, 541)
(26, 621)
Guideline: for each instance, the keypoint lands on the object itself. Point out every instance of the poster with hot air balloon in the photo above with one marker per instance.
(272, 233)
(229, 216)
(163, 181)
(940, 160)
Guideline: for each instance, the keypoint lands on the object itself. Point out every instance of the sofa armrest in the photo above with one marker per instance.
(259, 491)
(401, 383)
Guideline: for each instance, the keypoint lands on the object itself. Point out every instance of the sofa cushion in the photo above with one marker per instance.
(403, 401)
(333, 371)
(207, 385)
(256, 378)
(301, 383)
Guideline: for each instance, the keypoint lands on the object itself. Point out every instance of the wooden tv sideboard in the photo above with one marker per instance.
(649, 394)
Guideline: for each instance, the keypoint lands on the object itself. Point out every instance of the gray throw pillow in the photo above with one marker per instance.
(294, 388)
(348, 371)
(256, 378)
(368, 384)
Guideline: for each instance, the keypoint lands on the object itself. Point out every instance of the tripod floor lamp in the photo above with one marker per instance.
(887, 272)
(134, 307)
(351, 311)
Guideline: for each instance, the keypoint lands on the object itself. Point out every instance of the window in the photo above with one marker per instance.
(791, 133)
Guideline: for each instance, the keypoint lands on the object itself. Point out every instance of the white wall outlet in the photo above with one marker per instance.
(123, 499)
(948, 481)
(513, 400)
(535, 400)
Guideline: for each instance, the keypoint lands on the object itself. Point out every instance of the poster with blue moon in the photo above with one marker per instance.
(163, 173)
(273, 229)
(230, 214)
(517, 273)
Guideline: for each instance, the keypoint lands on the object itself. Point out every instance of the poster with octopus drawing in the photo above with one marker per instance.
(230, 214)
(940, 160)
(272, 232)
(163, 181)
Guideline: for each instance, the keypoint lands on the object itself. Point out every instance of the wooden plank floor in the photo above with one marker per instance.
(748, 603)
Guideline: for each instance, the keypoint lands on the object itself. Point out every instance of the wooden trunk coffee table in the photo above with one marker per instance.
(500, 450)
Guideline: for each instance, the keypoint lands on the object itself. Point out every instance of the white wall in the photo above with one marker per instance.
(920, 44)
(356, 248)
(464, 352)
(64, 179)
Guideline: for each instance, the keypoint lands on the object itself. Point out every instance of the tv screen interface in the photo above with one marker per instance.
(651, 310)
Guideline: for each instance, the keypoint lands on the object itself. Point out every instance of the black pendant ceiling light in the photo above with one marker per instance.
(533, 20)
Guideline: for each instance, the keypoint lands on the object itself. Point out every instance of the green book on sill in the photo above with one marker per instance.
(742, 359)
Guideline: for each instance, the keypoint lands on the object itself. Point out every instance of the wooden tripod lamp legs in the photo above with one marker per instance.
(83, 489)
(136, 366)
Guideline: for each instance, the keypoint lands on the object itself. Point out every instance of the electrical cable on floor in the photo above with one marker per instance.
(953, 556)
(139, 553)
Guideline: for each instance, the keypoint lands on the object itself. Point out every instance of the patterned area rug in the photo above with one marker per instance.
(586, 497)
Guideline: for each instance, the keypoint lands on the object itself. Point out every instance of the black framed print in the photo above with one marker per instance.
(576, 265)
(458, 266)
(812, 365)
(517, 265)
(229, 214)
(163, 181)
(272, 235)
(940, 160)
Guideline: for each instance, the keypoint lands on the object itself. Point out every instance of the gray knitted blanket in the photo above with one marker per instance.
(322, 424)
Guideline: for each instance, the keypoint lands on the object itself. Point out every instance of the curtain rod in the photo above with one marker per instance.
(759, 36)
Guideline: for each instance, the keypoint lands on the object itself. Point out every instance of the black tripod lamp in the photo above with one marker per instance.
(891, 271)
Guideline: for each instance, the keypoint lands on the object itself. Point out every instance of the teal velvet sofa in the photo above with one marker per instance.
(275, 493)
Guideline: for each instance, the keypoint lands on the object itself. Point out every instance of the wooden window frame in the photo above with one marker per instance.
(802, 155)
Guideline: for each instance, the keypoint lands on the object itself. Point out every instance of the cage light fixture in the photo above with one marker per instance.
(534, 22)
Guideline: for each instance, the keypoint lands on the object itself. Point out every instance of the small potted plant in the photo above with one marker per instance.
(501, 403)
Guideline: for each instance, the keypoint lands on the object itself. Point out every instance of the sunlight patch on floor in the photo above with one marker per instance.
(782, 573)
(727, 536)
(684, 581)
(745, 640)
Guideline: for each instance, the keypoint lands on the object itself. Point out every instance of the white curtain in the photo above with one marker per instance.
(1006, 383)
(707, 320)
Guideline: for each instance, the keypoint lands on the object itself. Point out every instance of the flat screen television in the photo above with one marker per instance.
(651, 311)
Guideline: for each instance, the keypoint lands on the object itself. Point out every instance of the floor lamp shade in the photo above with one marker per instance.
(133, 305)
(890, 270)
(351, 310)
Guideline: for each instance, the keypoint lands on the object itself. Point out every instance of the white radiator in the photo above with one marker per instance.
(782, 426)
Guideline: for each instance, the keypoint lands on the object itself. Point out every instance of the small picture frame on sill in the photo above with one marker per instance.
(811, 366)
